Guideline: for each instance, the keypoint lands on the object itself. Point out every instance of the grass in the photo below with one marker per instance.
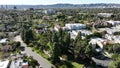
(66, 64)
(77, 65)
(40, 53)
(70, 64)
(1, 55)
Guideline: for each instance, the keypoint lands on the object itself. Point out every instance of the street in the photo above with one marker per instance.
(43, 62)
(103, 63)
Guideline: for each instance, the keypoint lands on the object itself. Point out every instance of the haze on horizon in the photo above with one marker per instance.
(48, 2)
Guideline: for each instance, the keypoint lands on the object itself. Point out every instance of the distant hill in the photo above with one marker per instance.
(99, 5)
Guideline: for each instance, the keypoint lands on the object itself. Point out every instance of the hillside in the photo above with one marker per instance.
(99, 5)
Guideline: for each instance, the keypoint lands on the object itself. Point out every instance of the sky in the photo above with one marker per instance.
(47, 2)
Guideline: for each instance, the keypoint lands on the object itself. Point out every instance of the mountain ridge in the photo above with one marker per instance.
(67, 5)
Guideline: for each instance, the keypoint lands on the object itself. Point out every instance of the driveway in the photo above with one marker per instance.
(43, 62)
(103, 63)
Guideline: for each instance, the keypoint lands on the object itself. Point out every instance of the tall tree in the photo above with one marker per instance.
(56, 53)
(78, 38)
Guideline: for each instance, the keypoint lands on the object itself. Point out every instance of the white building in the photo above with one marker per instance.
(74, 33)
(75, 26)
(3, 40)
(19, 64)
(98, 42)
(49, 11)
(4, 64)
(116, 39)
(113, 22)
(105, 14)
(113, 38)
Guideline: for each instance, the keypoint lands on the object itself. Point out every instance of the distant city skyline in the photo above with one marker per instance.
(48, 2)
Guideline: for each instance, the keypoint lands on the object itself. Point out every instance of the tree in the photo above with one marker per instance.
(54, 37)
(89, 52)
(113, 48)
(29, 36)
(77, 45)
(56, 53)
(78, 38)
(18, 44)
(82, 50)
(116, 62)
(32, 62)
(27, 33)
(95, 34)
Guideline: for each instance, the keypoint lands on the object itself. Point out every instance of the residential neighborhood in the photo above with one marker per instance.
(60, 35)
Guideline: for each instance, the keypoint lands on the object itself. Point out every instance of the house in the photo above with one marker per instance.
(41, 28)
(116, 39)
(57, 27)
(74, 33)
(113, 22)
(18, 63)
(8, 48)
(75, 26)
(43, 25)
(25, 65)
(46, 17)
(112, 38)
(4, 64)
(4, 40)
(98, 43)
(105, 14)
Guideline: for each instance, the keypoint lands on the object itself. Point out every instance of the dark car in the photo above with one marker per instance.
(22, 48)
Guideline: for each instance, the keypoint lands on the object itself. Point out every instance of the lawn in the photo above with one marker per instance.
(67, 64)
(70, 64)
(40, 53)
(77, 65)
(1, 55)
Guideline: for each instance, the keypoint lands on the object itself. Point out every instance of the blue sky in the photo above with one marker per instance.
(45, 2)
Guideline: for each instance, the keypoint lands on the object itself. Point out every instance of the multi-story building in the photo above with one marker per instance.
(75, 26)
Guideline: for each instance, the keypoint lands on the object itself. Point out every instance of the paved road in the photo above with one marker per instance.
(43, 62)
(104, 62)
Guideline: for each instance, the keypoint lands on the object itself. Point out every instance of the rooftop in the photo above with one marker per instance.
(4, 64)
(3, 40)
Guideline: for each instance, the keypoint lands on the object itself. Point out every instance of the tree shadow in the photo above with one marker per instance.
(68, 64)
